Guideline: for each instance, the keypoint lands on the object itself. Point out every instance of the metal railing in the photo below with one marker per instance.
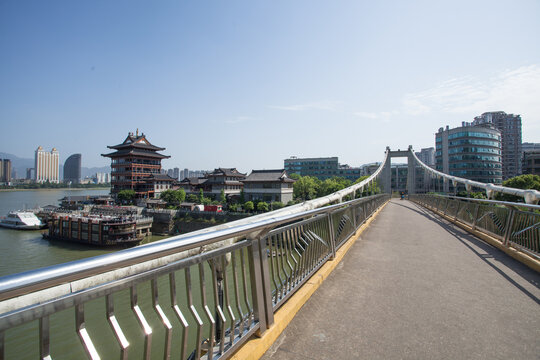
(514, 224)
(529, 196)
(199, 295)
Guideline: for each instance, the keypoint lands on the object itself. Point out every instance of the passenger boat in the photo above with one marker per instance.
(22, 220)
(93, 230)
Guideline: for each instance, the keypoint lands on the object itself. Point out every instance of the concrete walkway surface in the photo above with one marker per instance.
(416, 287)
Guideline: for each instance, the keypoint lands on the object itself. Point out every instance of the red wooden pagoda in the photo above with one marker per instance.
(133, 165)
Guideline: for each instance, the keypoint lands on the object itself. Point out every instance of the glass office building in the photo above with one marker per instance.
(470, 152)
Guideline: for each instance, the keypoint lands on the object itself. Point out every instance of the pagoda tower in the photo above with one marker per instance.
(133, 164)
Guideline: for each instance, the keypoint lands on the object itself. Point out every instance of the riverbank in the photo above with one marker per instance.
(55, 189)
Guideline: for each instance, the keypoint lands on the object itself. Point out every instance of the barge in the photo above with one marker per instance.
(94, 230)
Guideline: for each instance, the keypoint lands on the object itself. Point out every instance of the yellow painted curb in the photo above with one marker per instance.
(510, 251)
(256, 347)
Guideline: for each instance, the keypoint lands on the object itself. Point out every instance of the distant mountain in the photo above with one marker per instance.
(21, 164)
(18, 164)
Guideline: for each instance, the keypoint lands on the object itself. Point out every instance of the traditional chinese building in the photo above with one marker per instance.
(227, 179)
(268, 185)
(135, 165)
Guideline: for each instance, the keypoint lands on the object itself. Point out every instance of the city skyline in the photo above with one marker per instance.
(247, 85)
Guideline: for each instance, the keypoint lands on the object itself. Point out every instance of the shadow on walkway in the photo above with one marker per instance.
(488, 251)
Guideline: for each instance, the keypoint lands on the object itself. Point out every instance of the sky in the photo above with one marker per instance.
(247, 84)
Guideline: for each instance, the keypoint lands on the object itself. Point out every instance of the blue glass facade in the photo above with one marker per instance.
(471, 152)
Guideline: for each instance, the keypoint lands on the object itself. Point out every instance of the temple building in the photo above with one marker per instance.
(135, 165)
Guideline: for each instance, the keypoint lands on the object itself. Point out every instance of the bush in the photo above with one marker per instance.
(262, 206)
(248, 206)
(276, 205)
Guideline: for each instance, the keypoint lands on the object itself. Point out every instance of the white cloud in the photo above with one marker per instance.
(320, 105)
(514, 91)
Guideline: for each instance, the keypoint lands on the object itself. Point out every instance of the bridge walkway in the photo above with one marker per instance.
(416, 287)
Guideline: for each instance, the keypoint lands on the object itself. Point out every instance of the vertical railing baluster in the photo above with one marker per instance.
(80, 326)
(332, 238)
(179, 315)
(237, 293)
(243, 268)
(164, 320)
(147, 330)
(193, 310)
(117, 330)
(509, 223)
(475, 216)
(217, 287)
(232, 327)
(207, 311)
(256, 279)
(44, 339)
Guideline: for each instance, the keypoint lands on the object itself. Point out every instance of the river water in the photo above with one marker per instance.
(27, 250)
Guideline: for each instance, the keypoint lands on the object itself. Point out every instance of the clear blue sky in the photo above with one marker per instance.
(247, 84)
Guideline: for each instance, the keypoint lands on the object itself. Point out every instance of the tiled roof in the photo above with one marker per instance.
(226, 172)
(137, 152)
(279, 175)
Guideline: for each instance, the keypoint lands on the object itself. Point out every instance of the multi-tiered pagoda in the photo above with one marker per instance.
(135, 165)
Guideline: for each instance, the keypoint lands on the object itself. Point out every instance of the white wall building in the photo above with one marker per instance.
(47, 165)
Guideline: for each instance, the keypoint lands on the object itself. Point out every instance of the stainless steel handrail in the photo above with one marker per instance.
(530, 196)
(33, 280)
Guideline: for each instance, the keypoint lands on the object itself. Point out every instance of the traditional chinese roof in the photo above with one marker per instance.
(136, 145)
(160, 177)
(279, 175)
(136, 141)
(136, 152)
(226, 172)
(193, 181)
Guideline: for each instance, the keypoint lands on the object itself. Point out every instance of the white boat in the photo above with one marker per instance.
(22, 220)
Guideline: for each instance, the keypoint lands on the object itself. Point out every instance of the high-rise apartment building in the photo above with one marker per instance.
(510, 127)
(46, 165)
(5, 171)
(470, 152)
(427, 156)
(531, 158)
(72, 169)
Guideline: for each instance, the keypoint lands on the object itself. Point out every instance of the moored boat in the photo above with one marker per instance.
(22, 220)
(93, 230)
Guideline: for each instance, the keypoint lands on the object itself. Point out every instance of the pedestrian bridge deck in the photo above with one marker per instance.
(416, 287)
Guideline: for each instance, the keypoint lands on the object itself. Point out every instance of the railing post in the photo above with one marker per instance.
(509, 224)
(353, 211)
(332, 236)
(260, 289)
(475, 216)
(457, 210)
(446, 207)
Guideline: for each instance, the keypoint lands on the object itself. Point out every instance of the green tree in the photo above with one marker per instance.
(173, 197)
(201, 196)
(242, 196)
(222, 197)
(294, 176)
(248, 206)
(305, 188)
(192, 198)
(126, 195)
(262, 206)
(332, 185)
(525, 182)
